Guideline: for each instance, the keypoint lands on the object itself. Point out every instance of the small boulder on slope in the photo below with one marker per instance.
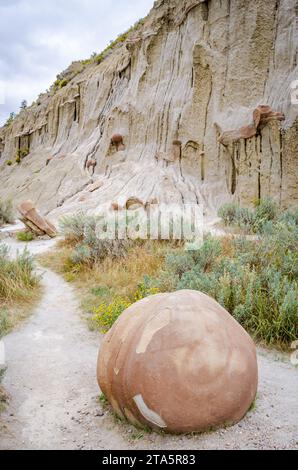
(34, 221)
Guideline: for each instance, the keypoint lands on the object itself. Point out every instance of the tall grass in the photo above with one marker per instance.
(17, 277)
(18, 287)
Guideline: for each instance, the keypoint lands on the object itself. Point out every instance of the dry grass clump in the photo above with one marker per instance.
(112, 274)
(19, 288)
(17, 277)
(107, 287)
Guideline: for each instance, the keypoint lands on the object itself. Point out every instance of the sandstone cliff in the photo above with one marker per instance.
(152, 121)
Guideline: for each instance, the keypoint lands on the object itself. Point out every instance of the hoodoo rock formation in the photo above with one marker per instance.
(178, 362)
(261, 116)
(193, 106)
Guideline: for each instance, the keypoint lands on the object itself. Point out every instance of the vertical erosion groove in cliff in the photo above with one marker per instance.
(181, 91)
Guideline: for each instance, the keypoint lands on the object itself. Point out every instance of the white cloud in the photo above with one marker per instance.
(40, 39)
(2, 92)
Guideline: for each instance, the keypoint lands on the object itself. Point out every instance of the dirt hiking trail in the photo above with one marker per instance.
(51, 380)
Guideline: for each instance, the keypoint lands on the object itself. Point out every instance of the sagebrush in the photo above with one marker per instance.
(250, 220)
(80, 230)
(255, 280)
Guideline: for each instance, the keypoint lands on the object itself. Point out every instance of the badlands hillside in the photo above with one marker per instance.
(196, 103)
(192, 105)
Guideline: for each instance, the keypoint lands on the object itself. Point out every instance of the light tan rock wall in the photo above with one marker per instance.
(193, 68)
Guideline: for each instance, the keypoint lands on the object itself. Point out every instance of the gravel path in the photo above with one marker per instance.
(54, 404)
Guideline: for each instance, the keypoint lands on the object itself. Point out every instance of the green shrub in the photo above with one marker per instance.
(25, 236)
(21, 153)
(228, 212)
(73, 226)
(9, 163)
(245, 218)
(251, 221)
(96, 250)
(107, 313)
(103, 401)
(179, 262)
(60, 83)
(289, 217)
(206, 256)
(100, 291)
(81, 230)
(6, 212)
(81, 255)
(24, 104)
(102, 248)
(98, 58)
(255, 280)
(10, 119)
(182, 261)
(266, 210)
(63, 83)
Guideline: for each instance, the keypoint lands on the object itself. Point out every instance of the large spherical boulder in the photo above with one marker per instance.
(178, 362)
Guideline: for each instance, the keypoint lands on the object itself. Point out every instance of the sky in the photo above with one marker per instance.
(40, 38)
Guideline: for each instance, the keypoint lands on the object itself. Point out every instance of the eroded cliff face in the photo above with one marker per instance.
(145, 124)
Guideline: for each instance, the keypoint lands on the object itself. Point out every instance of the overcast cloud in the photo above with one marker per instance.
(40, 38)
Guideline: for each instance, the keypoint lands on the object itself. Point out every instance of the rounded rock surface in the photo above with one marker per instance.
(178, 362)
